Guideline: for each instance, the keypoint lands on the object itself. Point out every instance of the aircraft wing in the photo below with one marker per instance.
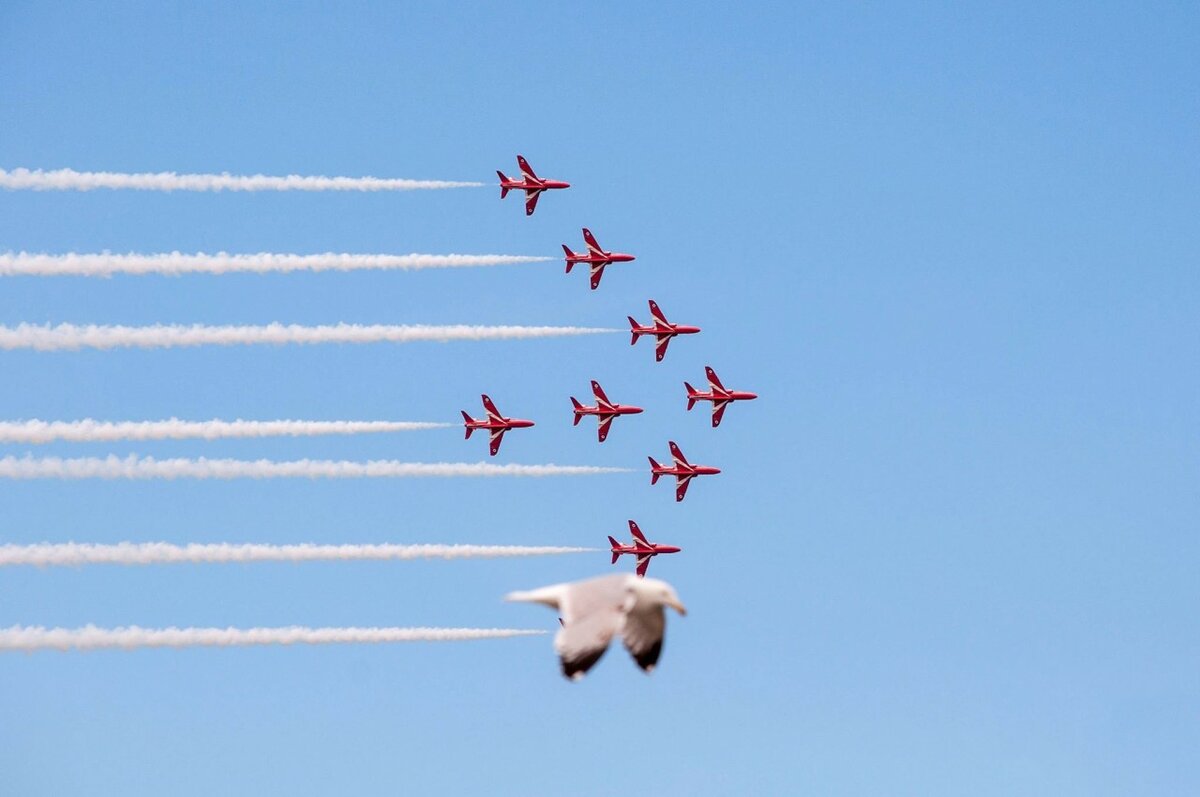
(597, 274)
(497, 438)
(678, 456)
(592, 246)
(492, 412)
(637, 533)
(658, 314)
(718, 412)
(531, 198)
(681, 485)
(713, 382)
(605, 422)
(526, 169)
(601, 398)
(643, 562)
(660, 350)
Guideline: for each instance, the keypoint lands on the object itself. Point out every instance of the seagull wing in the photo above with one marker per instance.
(593, 611)
(581, 644)
(643, 634)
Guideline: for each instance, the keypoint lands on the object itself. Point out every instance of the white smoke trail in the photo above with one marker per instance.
(133, 467)
(90, 637)
(105, 264)
(155, 553)
(91, 431)
(71, 180)
(71, 336)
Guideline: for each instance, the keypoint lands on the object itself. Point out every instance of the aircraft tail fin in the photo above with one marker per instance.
(615, 554)
(578, 410)
(691, 392)
(570, 255)
(633, 324)
(503, 187)
(467, 421)
(654, 474)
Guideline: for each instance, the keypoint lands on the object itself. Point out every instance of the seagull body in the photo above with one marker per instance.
(593, 611)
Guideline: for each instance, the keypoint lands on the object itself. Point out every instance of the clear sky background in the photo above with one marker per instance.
(954, 546)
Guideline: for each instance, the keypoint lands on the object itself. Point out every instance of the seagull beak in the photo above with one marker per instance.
(679, 607)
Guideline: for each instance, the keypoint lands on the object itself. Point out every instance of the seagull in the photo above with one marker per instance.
(591, 612)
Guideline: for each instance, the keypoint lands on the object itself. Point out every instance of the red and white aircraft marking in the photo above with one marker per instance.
(604, 410)
(596, 257)
(495, 423)
(662, 329)
(683, 471)
(531, 184)
(642, 548)
(717, 394)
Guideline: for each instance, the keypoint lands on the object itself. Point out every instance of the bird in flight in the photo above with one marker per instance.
(593, 611)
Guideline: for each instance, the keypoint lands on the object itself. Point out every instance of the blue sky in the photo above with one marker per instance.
(953, 549)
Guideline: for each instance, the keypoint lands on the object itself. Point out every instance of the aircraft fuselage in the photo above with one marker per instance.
(616, 409)
(606, 258)
(693, 470)
(672, 330)
(542, 185)
(732, 395)
(507, 423)
(653, 550)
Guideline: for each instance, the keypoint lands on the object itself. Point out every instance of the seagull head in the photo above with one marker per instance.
(657, 593)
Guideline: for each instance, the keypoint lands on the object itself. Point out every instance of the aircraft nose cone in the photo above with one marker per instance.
(716, 471)
(636, 410)
(751, 395)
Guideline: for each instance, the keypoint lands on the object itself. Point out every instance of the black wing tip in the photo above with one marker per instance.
(648, 659)
(575, 669)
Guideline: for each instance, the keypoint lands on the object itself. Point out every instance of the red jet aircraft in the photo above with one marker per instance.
(642, 548)
(604, 410)
(662, 329)
(717, 394)
(495, 423)
(683, 471)
(531, 184)
(596, 257)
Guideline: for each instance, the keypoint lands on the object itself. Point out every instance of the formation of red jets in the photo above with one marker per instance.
(663, 331)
